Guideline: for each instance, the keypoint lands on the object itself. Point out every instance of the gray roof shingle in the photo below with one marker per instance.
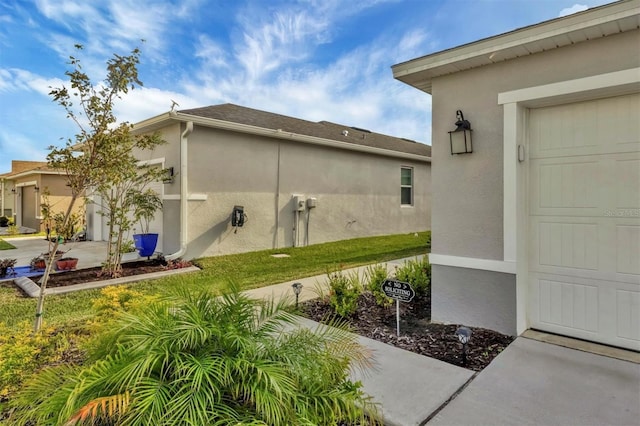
(323, 129)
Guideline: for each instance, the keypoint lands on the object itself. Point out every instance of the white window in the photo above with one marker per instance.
(406, 186)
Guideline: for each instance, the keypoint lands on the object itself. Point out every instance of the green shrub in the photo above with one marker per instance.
(197, 359)
(375, 276)
(115, 300)
(344, 291)
(417, 273)
(4, 221)
(22, 352)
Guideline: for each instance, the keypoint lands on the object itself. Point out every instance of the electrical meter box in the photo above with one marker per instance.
(312, 203)
(298, 203)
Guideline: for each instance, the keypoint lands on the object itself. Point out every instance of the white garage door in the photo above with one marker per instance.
(584, 216)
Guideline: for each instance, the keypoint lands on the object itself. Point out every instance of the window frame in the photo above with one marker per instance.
(410, 186)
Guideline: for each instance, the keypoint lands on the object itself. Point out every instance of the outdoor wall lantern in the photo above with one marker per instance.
(13, 190)
(464, 335)
(168, 175)
(297, 288)
(37, 188)
(460, 138)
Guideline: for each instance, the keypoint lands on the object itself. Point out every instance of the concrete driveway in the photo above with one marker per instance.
(537, 383)
(89, 253)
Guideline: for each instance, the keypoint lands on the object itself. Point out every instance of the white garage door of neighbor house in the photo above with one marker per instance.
(584, 220)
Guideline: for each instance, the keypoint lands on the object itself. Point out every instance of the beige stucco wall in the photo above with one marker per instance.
(357, 194)
(467, 189)
(59, 197)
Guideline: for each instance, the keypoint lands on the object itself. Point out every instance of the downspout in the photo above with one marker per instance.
(2, 195)
(183, 192)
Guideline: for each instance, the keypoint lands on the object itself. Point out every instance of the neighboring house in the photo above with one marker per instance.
(539, 227)
(29, 181)
(298, 182)
(6, 196)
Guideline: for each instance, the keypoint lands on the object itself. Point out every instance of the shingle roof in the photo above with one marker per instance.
(323, 129)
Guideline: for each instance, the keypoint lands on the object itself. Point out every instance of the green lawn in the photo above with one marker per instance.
(5, 245)
(249, 270)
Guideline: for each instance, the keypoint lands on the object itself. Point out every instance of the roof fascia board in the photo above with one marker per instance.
(535, 33)
(34, 172)
(155, 123)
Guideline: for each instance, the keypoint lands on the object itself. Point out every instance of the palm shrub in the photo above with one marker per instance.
(416, 272)
(192, 359)
(375, 276)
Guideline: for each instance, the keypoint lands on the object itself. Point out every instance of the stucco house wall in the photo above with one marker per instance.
(474, 272)
(469, 222)
(357, 193)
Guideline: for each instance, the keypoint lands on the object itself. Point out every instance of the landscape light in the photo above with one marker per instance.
(297, 288)
(464, 335)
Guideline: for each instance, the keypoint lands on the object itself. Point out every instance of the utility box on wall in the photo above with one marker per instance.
(312, 203)
(298, 203)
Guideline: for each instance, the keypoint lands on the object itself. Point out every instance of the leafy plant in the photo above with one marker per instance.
(128, 246)
(344, 291)
(375, 276)
(201, 360)
(4, 221)
(145, 203)
(417, 273)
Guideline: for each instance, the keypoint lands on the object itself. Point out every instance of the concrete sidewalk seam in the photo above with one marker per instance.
(448, 401)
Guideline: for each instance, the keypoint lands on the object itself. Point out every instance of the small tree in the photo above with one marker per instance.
(145, 206)
(122, 199)
(94, 155)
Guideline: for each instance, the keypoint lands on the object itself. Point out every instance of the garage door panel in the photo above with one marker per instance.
(628, 320)
(590, 128)
(585, 308)
(627, 191)
(568, 304)
(584, 220)
(628, 246)
(568, 245)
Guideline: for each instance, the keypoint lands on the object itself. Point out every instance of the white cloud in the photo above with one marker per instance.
(573, 9)
(16, 80)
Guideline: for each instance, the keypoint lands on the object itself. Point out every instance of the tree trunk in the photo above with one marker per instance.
(37, 324)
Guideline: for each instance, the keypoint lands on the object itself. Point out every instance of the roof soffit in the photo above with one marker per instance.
(593, 23)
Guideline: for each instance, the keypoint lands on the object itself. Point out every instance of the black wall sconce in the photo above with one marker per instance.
(37, 188)
(460, 138)
(168, 175)
(13, 190)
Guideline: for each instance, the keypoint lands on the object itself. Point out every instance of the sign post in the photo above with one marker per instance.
(401, 292)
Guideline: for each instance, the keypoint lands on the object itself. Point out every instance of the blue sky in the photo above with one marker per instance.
(311, 59)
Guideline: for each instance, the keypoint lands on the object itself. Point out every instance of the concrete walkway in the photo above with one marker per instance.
(530, 383)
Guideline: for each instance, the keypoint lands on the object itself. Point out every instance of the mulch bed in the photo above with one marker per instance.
(417, 333)
(79, 276)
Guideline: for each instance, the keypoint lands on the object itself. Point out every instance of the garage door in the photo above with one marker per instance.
(584, 220)
(28, 210)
